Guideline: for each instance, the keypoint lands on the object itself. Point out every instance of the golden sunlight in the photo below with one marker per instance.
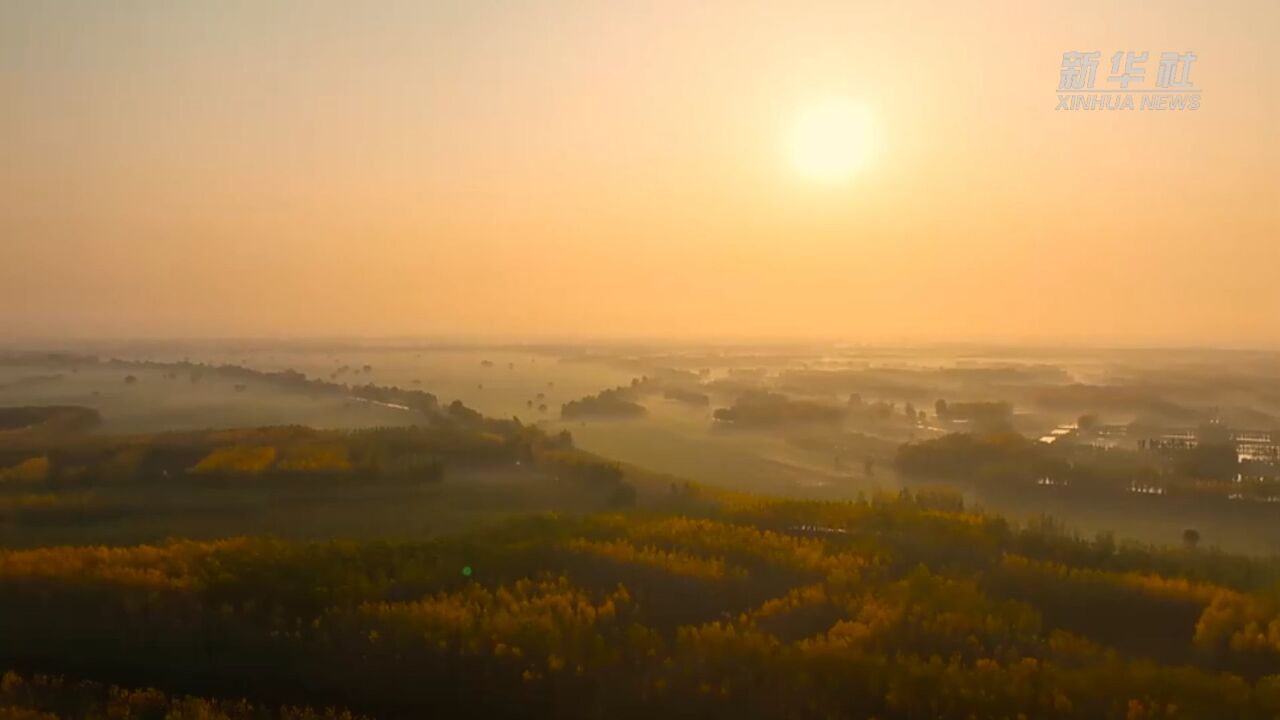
(829, 140)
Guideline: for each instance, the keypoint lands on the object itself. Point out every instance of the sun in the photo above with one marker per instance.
(830, 139)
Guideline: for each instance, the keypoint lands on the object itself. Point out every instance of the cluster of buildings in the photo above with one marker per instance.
(1257, 451)
(1252, 446)
(1103, 437)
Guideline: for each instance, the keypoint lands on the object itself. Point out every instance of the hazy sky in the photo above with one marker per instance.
(558, 168)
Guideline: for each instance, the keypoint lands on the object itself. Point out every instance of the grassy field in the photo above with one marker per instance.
(156, 403)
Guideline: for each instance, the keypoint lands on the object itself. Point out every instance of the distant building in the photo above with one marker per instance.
(1257, 446)
(1111, 431)
(1178, 440)
(1098, 437)
(1059, 433)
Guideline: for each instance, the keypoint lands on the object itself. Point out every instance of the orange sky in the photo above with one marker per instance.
(618, 169)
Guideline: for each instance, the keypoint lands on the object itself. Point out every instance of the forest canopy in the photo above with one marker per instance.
(710, 603)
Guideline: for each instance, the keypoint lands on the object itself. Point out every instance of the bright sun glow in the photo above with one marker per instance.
(830, 139)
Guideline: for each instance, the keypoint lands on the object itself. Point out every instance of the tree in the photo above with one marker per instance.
(1087, 422)
(1191, 537)
(940, 407)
